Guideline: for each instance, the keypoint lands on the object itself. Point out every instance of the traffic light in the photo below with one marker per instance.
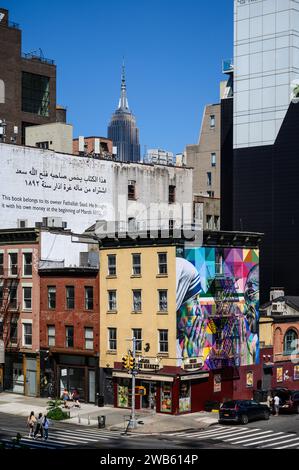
(125, 362)
(132, 363)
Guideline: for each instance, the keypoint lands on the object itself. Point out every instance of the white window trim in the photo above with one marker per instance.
(29, 276)
(23, 334)
(52, 336)
(108, 337)
(23, 300)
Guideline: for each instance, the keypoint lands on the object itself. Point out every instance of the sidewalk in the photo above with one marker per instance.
(116, 419)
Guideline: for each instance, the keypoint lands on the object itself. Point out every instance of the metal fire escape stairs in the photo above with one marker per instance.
(9, 284)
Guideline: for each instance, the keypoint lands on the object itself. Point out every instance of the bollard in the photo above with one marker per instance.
(79, 419)
(88, 420)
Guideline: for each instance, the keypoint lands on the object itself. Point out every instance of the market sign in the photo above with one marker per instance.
(193, 363)
(2, 352)
(148, 364)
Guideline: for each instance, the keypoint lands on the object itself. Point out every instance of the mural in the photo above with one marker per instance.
(217, 296)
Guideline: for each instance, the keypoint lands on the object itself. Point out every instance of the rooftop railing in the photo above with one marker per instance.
(31, 56)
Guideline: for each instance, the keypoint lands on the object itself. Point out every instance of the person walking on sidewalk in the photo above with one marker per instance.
(39, 426)
(45, 426)
(276, 404)
(31, 420)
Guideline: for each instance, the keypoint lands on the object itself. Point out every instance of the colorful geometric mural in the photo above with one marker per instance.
(217, 307)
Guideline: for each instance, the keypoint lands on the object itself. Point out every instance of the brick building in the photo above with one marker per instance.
(27, 84)
(69, 330)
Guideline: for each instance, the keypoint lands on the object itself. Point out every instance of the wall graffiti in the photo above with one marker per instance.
(218, 307)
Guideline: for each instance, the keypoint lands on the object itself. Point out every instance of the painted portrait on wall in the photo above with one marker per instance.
(217, 297)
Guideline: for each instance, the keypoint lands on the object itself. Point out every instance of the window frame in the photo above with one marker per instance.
(164, 263)
(13, 266)
(49, 298)
(51, 336)
(25, 265)
(68, 298)
(162, 341)
(162, 310)
(134, 291)
(67, 335)
(286, 342)
(87, 300)
(26, 299)
(86, 339)
(136, 265)
(138, 342)
(111, 330)
(26, 335)
(111, 267)
(109, 292)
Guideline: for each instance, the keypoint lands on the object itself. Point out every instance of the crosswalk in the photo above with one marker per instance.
(244, 437)
(60, 438)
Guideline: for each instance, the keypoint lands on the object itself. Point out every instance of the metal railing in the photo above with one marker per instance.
(32, 56)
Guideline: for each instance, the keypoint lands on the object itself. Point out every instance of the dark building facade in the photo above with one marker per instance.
(122, 129)
(27, 85)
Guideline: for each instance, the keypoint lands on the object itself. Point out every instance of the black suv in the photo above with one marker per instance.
(242, 411)
(289, 399)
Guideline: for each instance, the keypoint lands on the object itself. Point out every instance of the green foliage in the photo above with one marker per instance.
(57, 414)
(52, 404)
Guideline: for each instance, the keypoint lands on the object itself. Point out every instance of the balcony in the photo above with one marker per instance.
(227, 66)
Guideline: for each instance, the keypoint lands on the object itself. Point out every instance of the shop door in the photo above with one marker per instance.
(18, 378)
(73, 378)
(148, 401)
(91, 386)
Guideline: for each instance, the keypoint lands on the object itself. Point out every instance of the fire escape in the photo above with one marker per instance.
(224, 322)
(9, 307)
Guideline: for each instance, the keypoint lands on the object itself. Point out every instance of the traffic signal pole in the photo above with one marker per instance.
(133, 422)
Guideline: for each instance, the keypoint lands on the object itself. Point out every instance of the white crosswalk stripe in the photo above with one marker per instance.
(244, 436)
(61, 438)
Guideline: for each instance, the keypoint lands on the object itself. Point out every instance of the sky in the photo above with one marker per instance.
(173, 52)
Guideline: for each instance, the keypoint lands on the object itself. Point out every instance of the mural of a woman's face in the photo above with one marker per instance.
(190, 327)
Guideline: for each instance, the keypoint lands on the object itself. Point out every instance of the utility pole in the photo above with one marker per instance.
(133, 422)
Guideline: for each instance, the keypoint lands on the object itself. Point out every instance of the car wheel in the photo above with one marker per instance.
(244, 419)
(266, 415)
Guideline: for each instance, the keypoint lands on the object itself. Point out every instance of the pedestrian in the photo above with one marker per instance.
(39, 426)
(76, 398)
(65, 397)
(46, 427)
(269, 401)
(276, 401)
(31, 420)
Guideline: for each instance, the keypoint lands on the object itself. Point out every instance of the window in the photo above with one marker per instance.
(137, 333)
(22, 223)
(111, 265)
(51, 297)
(212, 121)
(13, 300)
(162, 260)
(70, 297)
(213, 159)
(209, 178)
(69, 336)
(162, 300)
(171, 194)
(218, 263)
(163, 341)
(137, 307)
(51, 335)
(136, 261)
(27, 264)
(211, 193)
(132, 190)
(1, 329)
(2, 92)
(35, 94)
(42, 145)
(88, 338)
(112, 307)
(13, 335)
(27, 298)
(216, 222)
(1, 264)
(88, 298)
(112, 339)
(290, 342)
(27, 334)
(13, 263)
(209, 222)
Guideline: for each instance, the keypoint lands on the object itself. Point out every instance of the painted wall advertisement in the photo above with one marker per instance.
(217, 296)
(217, 383)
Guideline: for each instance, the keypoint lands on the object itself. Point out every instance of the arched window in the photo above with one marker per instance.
(2, 91)
(290, 343)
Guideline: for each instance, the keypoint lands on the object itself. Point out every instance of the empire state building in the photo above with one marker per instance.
(122, 129)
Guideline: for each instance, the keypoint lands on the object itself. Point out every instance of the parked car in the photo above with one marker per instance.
(289, 399)
(242, 411)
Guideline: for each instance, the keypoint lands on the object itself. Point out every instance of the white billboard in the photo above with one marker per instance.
(37, 183)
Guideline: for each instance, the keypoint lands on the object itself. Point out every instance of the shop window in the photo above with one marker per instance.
(112, 305)
(27, 264)
(112, 339)
(111, 265)
(163, 305)
(162, 261)
(137, 303)
(51, 297)
(51, 335)
(70, 297)
(137, 334)
(124, 399)
(88, 338)
(166, 397)
(27, 298)
(290, 342)
(185, 397)
(163, 341)
(136, 261)
(13, 264)
(88, 297)
(27, 334)
(69, 336)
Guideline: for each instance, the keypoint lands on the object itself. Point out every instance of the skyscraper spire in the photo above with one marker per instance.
(123, 102)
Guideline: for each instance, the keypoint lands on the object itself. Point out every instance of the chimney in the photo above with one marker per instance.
(276, 292)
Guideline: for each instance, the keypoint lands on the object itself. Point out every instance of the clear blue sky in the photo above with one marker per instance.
(173, 51)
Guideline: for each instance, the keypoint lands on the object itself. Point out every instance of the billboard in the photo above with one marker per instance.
(217, 297)
(37, 184)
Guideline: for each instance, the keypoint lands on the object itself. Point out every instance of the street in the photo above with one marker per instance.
(277, 433)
